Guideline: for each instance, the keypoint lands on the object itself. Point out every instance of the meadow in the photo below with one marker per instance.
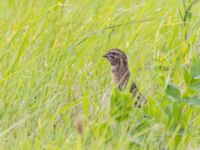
(56, 88)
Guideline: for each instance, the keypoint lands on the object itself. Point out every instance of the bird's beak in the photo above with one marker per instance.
(105, 56)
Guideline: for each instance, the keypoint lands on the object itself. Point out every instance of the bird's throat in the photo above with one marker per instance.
(120, 77)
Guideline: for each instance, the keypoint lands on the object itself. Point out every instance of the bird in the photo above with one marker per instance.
(120, 73)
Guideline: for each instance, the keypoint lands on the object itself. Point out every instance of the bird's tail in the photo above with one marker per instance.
(140, 100)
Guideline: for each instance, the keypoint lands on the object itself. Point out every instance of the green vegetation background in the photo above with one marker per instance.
(55, 87)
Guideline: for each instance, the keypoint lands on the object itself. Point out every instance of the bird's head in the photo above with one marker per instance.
(117, 58)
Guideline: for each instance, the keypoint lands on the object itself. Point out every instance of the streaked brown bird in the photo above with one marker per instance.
(121, 74)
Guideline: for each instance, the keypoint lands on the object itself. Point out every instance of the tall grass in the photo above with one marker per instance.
(56, 87)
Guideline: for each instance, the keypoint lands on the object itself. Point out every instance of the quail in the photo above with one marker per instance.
(121, 74)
